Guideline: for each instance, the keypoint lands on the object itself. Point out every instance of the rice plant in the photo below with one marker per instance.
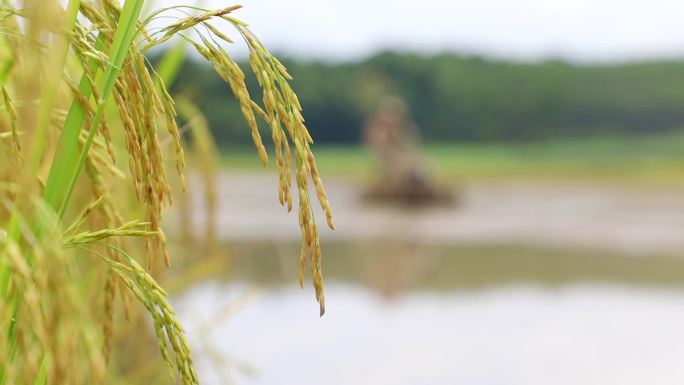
(84, 118)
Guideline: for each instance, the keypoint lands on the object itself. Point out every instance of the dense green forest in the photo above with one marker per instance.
(468, 99)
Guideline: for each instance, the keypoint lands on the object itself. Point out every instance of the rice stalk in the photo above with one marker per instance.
(62, 178)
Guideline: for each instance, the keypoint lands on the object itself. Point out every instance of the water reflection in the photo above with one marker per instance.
(436, 315)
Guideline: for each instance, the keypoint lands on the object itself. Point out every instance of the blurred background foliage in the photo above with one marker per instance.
(464, 98)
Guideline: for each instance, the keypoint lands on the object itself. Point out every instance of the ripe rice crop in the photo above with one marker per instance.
(84, 117)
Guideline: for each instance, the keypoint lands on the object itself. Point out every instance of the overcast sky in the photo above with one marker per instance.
(581, 30)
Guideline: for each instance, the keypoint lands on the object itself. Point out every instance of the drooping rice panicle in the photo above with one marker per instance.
(77, 91)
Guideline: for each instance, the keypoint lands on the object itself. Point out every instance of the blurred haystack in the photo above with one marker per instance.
(394, 139)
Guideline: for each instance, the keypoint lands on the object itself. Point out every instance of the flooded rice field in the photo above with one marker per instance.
(632, 220)
(519, 284)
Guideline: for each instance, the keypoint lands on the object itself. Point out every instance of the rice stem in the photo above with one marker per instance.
(123, 38)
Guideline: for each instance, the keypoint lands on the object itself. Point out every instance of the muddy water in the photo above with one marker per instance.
(630, 220)
(520, 284)
(475, 314)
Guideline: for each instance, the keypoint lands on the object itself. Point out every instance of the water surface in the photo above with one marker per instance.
(416, 314)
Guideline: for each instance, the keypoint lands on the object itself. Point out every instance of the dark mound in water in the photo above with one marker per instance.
(414, 192)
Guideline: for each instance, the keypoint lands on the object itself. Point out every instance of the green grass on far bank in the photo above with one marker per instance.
(645, 160)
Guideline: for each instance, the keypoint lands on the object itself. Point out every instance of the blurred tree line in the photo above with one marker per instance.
(464, 98)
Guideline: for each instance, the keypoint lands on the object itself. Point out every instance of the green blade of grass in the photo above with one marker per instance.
(123, 37)
(68, 141)
(68, 162)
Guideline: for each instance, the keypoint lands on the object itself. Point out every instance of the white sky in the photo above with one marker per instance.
(582, 30)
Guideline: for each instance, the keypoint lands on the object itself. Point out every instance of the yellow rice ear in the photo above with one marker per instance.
(46, 304)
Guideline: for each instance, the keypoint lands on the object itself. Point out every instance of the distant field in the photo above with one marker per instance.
(638, 160)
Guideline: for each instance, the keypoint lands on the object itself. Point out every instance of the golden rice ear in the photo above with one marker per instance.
(282, 112)
(46, 303)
